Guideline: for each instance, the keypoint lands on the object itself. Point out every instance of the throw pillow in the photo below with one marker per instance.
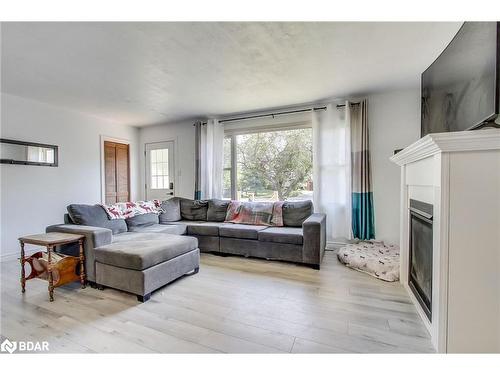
(124, 210)
(254, 213)
(277, 218)
(232, 211)
(113, 211)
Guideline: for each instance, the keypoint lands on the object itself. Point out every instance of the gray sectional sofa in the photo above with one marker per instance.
(145, 252)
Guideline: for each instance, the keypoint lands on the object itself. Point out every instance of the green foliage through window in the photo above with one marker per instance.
(272, 165)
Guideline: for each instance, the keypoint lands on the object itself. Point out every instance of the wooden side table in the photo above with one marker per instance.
(64, 267)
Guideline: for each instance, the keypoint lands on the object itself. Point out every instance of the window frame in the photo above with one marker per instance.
(233, 167)
(232, 133)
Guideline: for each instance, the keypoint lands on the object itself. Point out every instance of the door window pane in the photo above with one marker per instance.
(159, 168)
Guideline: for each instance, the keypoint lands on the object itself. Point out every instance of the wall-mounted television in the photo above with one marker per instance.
(460, 90)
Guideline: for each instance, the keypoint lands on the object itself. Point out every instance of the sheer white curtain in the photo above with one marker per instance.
(331, 171)
(212, 158)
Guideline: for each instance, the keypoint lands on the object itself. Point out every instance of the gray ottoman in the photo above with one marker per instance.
(140, 263)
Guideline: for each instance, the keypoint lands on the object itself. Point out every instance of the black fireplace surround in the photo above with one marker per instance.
(420, 255)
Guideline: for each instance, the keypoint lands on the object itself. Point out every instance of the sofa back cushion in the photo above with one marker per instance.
(217, 209)
(295, 213)
(95, 216)
(171, 210)
(194, 209)
(144, 220)
(67, 219)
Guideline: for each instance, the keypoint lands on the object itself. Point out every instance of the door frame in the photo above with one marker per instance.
(105, 138)
(145, 161)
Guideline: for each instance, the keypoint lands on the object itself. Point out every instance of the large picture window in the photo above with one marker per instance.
(268, 165)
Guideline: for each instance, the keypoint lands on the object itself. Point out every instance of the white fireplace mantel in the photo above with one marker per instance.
(459, 174)
(431, 144)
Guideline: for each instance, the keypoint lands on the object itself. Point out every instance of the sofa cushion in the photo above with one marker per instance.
(139, 251)
(193, 209)
(217, 209)
(143, 220)
(282, 235)
(176, 228)
(95, 216)
(171, 210)
(295, 213)
(241, 230)
(202, 228)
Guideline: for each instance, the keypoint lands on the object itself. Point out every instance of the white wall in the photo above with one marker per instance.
(33, 197)
(394, 121)
(183, 134)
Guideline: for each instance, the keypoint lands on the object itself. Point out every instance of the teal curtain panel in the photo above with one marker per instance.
(363, 225)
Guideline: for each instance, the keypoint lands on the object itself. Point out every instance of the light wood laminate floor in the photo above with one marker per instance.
(233, 305)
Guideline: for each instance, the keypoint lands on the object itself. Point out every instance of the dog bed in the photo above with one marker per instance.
(373, 258)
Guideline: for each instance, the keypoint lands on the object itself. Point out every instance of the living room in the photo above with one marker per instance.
(250, 187)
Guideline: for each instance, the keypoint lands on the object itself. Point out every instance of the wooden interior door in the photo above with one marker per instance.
(116, 172)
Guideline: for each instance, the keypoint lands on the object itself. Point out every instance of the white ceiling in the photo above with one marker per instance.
(150, 73)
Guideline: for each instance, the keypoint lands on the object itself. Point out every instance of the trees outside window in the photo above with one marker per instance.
(269, 166)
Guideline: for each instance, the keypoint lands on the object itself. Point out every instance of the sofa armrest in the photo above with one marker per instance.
(314, 231)
(94, 237)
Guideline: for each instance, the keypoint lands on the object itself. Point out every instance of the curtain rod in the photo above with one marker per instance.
(270, 114)
(343, 105)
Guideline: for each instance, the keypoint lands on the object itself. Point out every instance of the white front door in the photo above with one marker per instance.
(160, 176)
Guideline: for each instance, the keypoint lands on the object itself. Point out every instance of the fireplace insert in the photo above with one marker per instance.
(420, 257)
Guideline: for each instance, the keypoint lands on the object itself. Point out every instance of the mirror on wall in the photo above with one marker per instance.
(27, 153)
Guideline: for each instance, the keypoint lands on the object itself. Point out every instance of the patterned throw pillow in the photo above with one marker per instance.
(113, 211)
(277, 219)
(125, 210)
(232, 211)
(255, 213)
